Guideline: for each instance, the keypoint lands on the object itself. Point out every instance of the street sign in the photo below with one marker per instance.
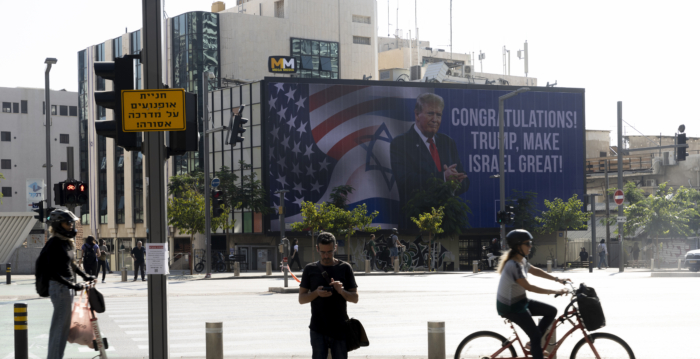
(215, 182)
(621, 219)
(619, 197)
(153, 110)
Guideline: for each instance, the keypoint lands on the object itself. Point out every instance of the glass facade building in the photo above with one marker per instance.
(83, 118)
(316, 59)
(195, 49)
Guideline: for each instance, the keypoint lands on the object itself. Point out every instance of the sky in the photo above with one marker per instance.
(639, 52)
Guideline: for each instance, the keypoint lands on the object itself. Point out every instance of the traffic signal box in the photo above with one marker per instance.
(70, 193)
(507, 216)
(41, 212)
(217, 198)
(682, 151)
(121, 72)
(180, 142)
(237, 130)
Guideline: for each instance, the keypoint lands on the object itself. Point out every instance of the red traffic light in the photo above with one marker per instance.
(82, 187)
(70, 187)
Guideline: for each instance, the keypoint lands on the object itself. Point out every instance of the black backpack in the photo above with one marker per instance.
(40, 273)
(89, 256)
(589, 307)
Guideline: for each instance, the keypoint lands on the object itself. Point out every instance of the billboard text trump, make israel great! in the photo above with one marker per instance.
(376, 139)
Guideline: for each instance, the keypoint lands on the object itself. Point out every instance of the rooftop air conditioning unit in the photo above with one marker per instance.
(435, 72)
(394, 75)
(651, 183)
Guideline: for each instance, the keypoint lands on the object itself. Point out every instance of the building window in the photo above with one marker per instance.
(117, 47)
(65, 138)
(317, 59)
(603, 154)
(99, 56)
(7, 107)
(15, 107)
(64, 166)
(279, 9)
(361, 40)
(7, 191)
(5, 164)
(119, 183)
(63, 110)
(25, 108)
(5, 136)
(362, 19)
(53, 110)
(73, 110)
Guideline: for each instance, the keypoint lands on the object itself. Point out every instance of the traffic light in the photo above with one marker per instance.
(217, 198)
(234, 134)
(70, 193)
(682, 151)
(39, 211)
(58, 194)
(510, 215)
(121, 72)
(82, 195)
(180, 142)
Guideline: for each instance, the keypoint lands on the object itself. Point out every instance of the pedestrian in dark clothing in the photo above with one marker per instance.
(91, 253)
(583, 255)
(372, 252)
(138, 253)
(60, 268)
(102, 260)
(295, 254)
(333, 284)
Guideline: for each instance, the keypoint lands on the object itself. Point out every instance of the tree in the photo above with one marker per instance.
(441, 194)
(316, 217)
(525, 210)
(339, 196)
(663, 213)
(430, 222)
(562, 216)
(346, 223)
(186, 213)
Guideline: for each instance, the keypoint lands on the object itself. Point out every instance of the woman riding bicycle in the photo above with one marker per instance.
(512, 302)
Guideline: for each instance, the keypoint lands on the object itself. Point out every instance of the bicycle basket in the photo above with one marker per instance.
(589, 308)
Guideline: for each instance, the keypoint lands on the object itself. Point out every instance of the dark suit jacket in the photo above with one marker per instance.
(412, 164)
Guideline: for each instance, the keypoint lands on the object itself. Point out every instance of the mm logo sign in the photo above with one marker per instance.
(283, 64)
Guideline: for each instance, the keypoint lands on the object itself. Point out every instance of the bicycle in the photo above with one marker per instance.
(487, 345)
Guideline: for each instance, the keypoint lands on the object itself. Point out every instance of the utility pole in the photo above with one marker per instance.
(607, 201)
(207, 200)
(155, 152)
(282, 238)
(47, 107)
(620, 209)
(501, 155)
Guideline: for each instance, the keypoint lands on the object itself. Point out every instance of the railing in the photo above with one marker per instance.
(629, 163)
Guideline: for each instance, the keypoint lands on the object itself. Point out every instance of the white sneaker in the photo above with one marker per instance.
(103, 281)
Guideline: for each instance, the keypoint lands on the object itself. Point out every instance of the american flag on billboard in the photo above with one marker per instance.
(321, 136)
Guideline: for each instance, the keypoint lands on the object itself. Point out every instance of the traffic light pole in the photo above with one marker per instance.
(155, 151)
(501, 157)
(207, 200)
(47, 110)
(620, 208)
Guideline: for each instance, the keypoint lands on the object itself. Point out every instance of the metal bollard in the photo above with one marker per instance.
(124, 275)
(236, 269)
(368, 266)
(215, 340)
(21, 341)
(549, 266)
(652, 264)
(8, 270)
(436, 340)
(396, 265)
(268, 268)
(679, 264)
(475, 266)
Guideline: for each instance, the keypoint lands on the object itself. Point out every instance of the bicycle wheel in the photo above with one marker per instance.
(607, 346)
(220, 267)
(484, 344)
(199, 267)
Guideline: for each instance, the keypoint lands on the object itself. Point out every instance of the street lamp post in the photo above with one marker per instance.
(501, 154)
(282, 213)
(593, 228)
(47, 94)
(207, 211)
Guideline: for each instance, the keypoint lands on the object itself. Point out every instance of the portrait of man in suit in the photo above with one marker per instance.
(422, 153)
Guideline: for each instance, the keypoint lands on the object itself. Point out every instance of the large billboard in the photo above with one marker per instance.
(387, 140)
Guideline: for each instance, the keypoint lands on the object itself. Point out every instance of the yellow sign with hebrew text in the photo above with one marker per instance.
(153, 110)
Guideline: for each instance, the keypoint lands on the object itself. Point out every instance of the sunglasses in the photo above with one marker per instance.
(529, 243)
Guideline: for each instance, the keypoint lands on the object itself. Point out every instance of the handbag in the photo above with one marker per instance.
(96, 300)
(80, 331)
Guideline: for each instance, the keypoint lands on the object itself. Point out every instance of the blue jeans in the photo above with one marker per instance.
(534, 331)
(321, 343)
(62, 300)
(602, 260)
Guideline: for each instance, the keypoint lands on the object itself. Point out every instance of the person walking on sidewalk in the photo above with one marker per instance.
(602, 254)
(512, 302)
(102, 260)
(394, 246)
(60, 268)
(372, 252)
(333, 284)
(138, 253)
(90, 254)
(295, 254)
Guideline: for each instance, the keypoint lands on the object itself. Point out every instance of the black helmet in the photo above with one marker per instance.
(517, 237)
(63, 215)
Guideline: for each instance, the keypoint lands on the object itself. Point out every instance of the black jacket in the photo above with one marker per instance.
(412, 164)
(61, 261)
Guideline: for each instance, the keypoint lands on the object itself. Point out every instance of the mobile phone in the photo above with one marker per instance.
(328, 288)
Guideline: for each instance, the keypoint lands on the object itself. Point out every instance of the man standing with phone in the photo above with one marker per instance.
(334, 285)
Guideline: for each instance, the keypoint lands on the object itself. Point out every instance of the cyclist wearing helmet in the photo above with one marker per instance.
(512, 302)
(60, 268)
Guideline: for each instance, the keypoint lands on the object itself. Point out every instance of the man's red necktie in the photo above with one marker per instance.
(435, 154)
